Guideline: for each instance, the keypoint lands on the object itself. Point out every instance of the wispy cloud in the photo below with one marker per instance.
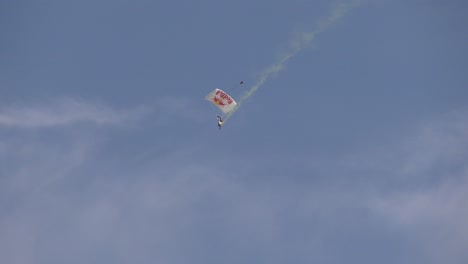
(171, 106)
(65, 111)
(428, 199)
(441, 140)
(152, 208)
(435, 217)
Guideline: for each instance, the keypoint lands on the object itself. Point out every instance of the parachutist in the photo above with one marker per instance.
(223, 101)
(220, 121)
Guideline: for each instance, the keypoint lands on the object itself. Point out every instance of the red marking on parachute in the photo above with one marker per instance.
(224, 96)
(218, 101)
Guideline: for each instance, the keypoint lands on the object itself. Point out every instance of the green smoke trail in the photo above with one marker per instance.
(296, 45)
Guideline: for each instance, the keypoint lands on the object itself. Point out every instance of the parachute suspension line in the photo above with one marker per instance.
(230, 90)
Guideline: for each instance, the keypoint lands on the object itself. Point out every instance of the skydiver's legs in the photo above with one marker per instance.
(220, 121)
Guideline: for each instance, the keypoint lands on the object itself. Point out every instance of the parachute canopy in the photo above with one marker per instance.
(222, 100)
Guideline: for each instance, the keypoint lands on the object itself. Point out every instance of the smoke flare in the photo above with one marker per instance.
(296, 45)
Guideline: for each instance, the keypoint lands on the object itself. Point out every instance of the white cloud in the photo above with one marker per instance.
(153, 208)
(436, 217)
(429, 201)
(65, 112)
(33, 180)
(172, 106)
(442, 140)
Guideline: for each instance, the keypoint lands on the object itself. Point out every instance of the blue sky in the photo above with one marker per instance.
(354, 152)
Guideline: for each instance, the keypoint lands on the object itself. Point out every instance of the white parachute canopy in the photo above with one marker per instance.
(222, 100)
